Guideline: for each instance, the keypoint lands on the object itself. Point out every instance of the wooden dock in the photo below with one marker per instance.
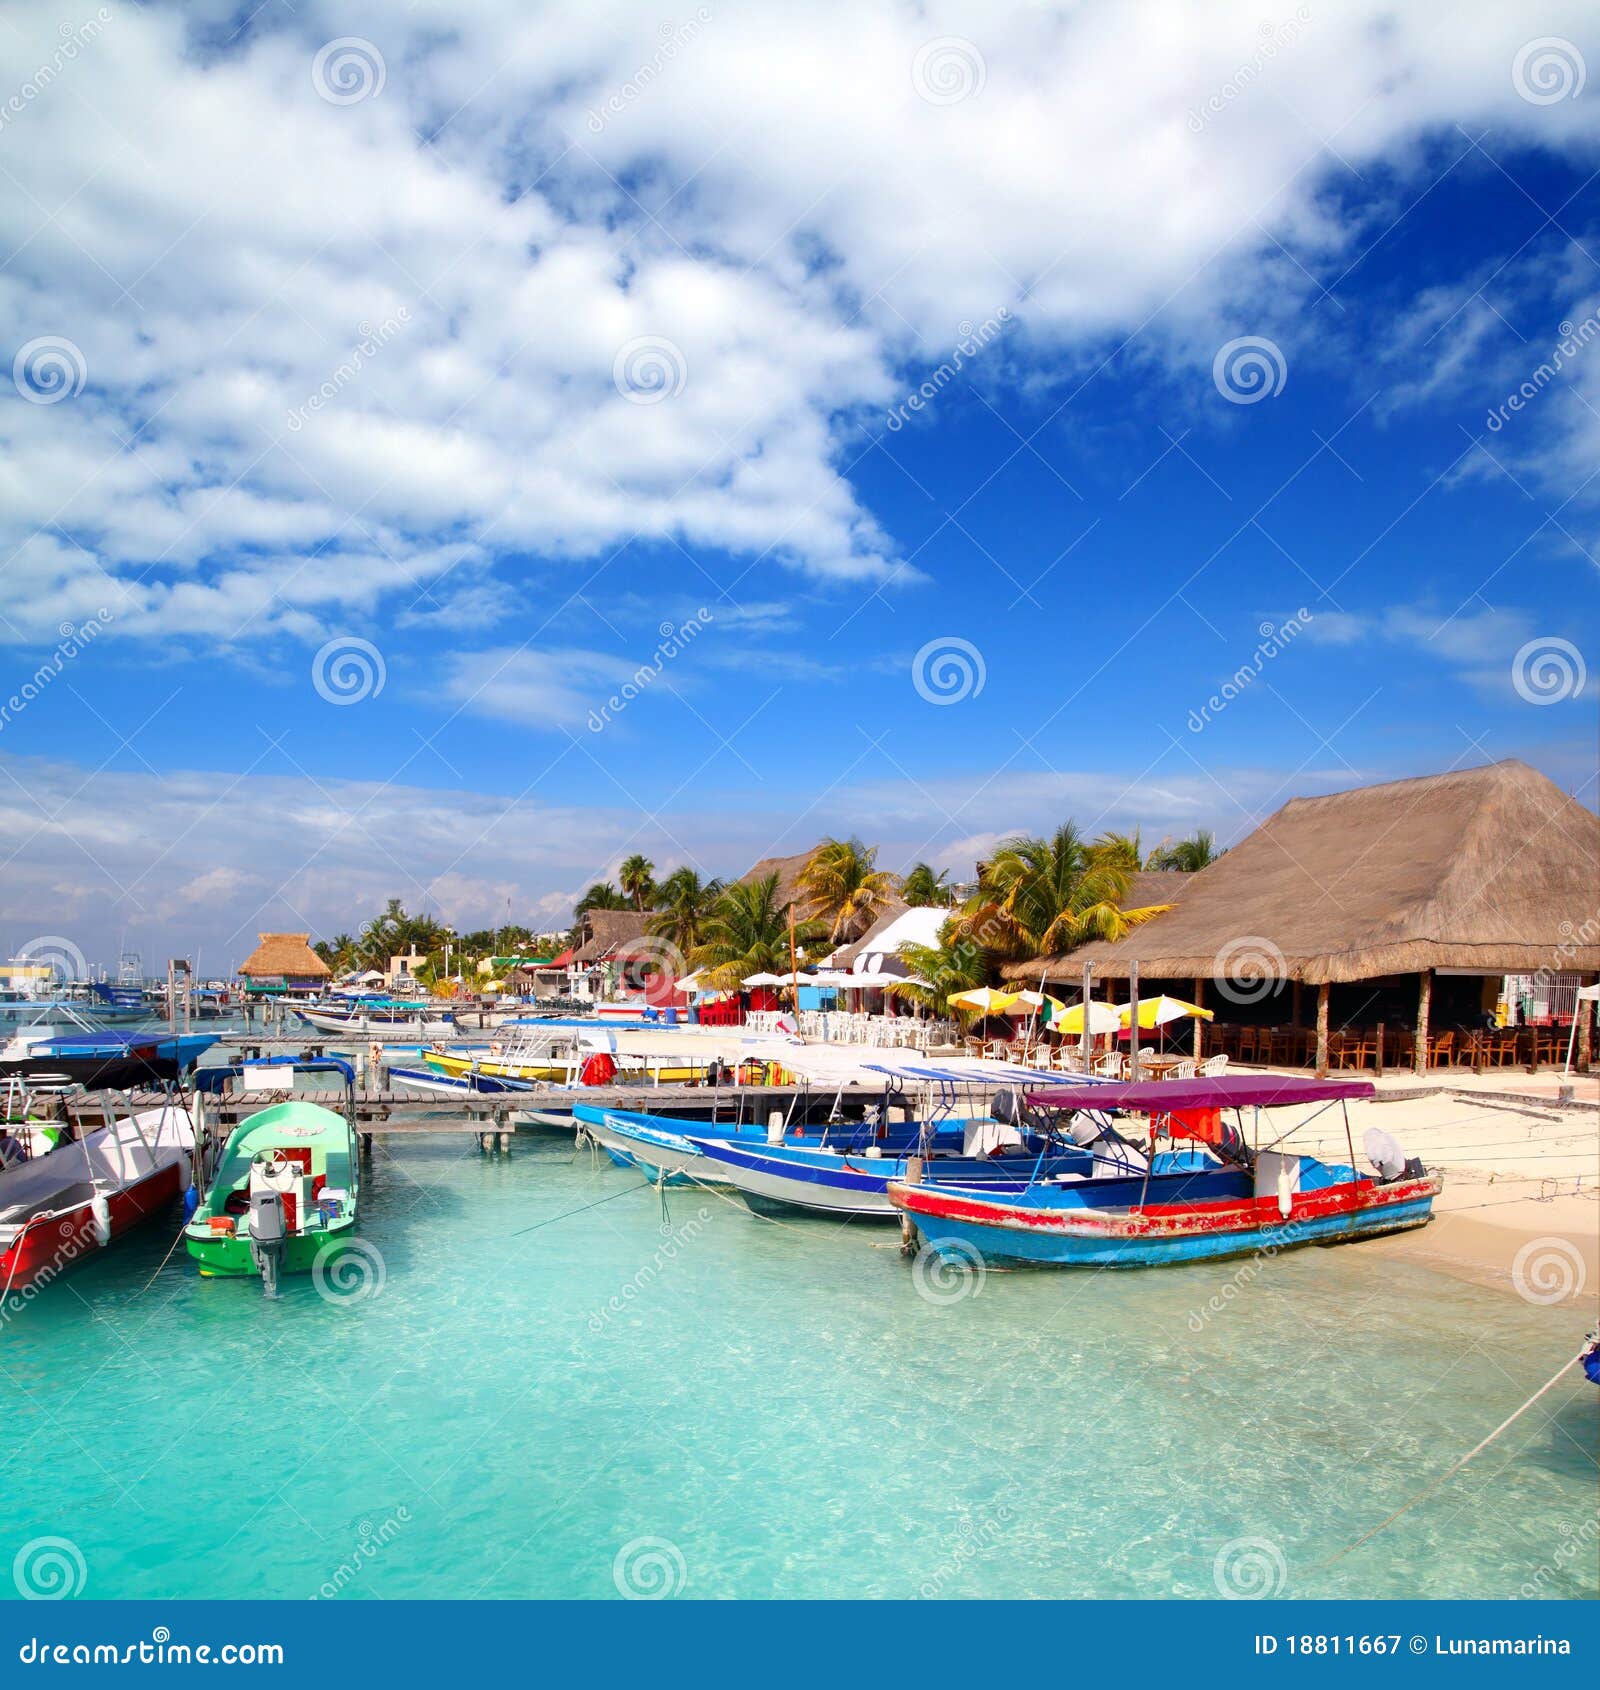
(390, 1111)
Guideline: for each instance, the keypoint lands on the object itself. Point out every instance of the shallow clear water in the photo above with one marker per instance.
(776, 1410)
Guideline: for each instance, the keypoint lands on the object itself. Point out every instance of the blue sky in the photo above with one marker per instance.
(503, 347)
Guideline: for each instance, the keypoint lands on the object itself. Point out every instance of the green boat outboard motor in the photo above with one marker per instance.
(268, 1235)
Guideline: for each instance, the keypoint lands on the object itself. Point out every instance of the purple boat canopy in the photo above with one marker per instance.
(1226, 1091)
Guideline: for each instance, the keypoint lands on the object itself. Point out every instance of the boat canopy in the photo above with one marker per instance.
(1226, 1091)
(214, 1080)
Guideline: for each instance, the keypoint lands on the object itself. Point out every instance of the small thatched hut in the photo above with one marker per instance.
(1468, 876)
(283, 959)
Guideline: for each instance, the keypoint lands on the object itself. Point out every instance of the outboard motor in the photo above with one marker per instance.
(268, 1234)
(1385, 1154)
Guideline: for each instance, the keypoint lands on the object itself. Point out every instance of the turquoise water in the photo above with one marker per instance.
(775, 1410)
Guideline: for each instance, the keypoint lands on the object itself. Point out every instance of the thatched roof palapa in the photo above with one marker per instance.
(287, 954)
(1492, 869)
(788, 871)
(606, 931)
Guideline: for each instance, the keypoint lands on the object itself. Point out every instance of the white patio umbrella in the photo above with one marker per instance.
(764, 980)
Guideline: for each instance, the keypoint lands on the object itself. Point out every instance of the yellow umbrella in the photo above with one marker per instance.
(985, 1000)
(1156, 1012)
(1102, 1019)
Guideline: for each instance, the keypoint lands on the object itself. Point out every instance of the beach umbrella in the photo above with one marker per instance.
(764, 980)
(985, 999)
(1157, 1012)
(1040, 1000)
(1102, 1019)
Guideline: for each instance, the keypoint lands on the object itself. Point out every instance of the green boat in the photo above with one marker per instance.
(283, 1196)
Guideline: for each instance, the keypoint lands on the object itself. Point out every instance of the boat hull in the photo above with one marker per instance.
(656, 1153)
(227, 1255)
(960, 1222)
(41, 1252)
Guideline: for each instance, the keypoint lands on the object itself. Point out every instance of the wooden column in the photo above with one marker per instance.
(1085, 1043)
(1200, 1002)
(1379, 1052)
(1133, 1023)
(1424, 999)
(1324, 991)
(1584, 1010)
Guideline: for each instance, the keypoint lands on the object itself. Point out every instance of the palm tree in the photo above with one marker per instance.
(923, 888)
(841, 887)
(684, 904)
(601, 896)
(635, 877)
(1187, 856)
(1038, 897)
(957, 963)
(1118, 850)
(747, 932)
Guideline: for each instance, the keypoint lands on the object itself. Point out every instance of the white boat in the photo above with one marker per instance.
(80, 1196)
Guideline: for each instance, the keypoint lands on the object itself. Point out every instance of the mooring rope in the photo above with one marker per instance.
(1478, 1449)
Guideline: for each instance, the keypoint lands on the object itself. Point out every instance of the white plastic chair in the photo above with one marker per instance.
(1215, 1065)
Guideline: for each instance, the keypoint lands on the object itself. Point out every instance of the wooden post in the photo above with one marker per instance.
(1133, 1022)
(1424, 1000)
(1085, 1044)
(1378, 1053)
(1583, 1009)
(1324, 991)
(1199, 1021)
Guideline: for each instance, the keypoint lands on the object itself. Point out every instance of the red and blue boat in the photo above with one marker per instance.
(1231, 1195)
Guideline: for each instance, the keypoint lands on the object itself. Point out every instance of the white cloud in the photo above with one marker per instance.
(779, 203)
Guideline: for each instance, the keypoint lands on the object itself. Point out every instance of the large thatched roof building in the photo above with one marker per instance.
(605, 935)
(1480, 872)
(788, 871)
(284, 957)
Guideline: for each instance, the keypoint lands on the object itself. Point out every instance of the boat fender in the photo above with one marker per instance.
(100, 1208)
(191, 1201)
